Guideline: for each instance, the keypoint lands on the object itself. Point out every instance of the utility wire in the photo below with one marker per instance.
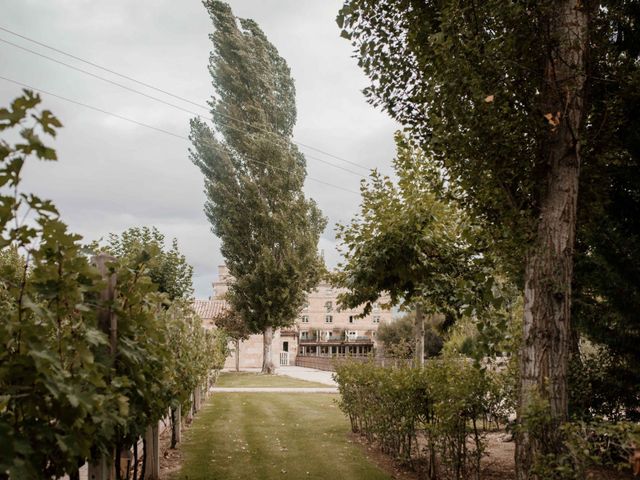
(178, 107)
(93, 64)
(157, 129)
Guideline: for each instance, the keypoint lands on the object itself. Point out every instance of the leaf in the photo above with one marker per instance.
(554, 120)
(73, 400)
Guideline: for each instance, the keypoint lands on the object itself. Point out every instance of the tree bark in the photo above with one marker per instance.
(267, 359)
(419, 337)
(175, 426)
(549, 263)
(237, 354)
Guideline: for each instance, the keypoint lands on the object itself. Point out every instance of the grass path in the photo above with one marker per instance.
(249, 379)
(265, 436)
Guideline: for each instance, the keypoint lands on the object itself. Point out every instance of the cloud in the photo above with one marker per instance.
(113, 174)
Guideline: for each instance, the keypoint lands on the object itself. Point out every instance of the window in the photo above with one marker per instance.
(305, 306)
(376, 319)
(329, 306)
(351, 319)
(376, 307)
(328, 318)
(305, 319)
(304, 335)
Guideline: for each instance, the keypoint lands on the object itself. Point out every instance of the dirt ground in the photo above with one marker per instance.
(498, 464)
(170, 459)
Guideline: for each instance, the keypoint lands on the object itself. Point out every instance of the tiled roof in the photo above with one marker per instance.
(208, 309)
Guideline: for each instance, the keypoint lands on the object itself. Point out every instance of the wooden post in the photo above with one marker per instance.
(196, 399)
(190, 412)
(237, 354)
(178, 425)
(107, 321)
(419, 336)
(152, 457)
(104, 468)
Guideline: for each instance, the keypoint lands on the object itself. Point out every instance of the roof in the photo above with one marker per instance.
(208, 309)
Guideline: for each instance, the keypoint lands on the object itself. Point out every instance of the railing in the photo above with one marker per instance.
(355, 341)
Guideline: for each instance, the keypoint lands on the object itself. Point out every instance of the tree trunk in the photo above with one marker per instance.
(175, 427)
(267, 361)
(549, 264)
(237, 354)
(419, 337)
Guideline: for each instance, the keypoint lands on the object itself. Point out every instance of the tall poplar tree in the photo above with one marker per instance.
(254, 177)
(511, 100)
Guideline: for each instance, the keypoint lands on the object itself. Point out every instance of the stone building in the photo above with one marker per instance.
(321, 329)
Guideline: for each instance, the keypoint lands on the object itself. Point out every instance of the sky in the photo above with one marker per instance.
(113, 174)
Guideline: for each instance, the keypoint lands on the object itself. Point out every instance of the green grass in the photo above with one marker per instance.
(238, 436)
(248, 379)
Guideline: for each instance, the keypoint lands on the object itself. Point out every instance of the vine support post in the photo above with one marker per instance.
(104, 468)
(196, 399)
(419, 336)
(178, 424)
(152, 454)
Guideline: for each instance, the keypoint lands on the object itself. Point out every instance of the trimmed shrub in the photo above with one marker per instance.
(424, 417)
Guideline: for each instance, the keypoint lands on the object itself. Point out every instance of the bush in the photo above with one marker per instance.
(590, 445)
(605, 385)
(398, 338)
(427, 417)
(64, 395)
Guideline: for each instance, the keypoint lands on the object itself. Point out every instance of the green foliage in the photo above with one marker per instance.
(168, 269)
(467, 80)
(603, 385)
(437, 407)
(497, 332)
(255, 174)
(607, 269)
(408, 243)
(582, 445)
(398, 337)
(233, 325)
(55, 402)
(64, 395)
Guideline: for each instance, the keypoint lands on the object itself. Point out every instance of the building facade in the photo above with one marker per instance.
(322, 329)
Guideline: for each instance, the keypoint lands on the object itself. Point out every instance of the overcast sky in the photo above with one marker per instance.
(112, 175)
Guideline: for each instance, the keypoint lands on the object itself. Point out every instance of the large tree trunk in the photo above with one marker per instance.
(267, 361)
(549, 267)
(237, 355)
(419, 337)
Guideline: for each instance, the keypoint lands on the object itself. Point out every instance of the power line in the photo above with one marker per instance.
(125, 87)
(145, 84)
(102, 68)
(157, 129)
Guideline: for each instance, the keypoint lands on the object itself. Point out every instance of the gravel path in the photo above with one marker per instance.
(274, 390)
(310, 374)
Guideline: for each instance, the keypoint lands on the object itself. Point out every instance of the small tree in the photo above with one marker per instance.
(408, 243)
(254, 178)
(168, 268)
(397, 338)
(235, 328)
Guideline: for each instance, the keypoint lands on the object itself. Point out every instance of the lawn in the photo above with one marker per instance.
(238, 436)
(248, 379)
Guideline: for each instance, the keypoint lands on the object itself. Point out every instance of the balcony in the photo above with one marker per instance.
(337, 341)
